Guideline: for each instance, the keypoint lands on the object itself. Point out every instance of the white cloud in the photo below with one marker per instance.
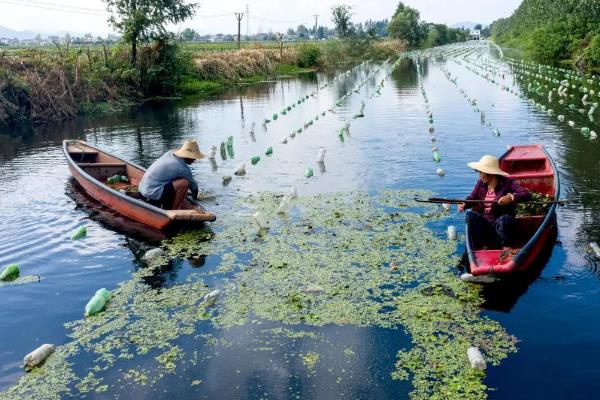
(264, 14)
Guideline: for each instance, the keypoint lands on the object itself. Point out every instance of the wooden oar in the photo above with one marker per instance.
(439, 200)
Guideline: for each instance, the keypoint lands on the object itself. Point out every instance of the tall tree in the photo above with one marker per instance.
(406, 24)
(142, 20)
(341, 17)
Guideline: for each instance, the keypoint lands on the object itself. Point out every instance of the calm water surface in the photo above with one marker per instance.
(556, 316)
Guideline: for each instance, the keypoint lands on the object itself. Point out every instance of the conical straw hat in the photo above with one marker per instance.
(487, 164)
(189, 150)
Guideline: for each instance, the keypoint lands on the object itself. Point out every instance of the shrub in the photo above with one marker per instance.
(592, 53)
(308, 55)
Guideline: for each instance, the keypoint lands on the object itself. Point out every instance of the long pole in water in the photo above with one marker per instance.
(439, 200)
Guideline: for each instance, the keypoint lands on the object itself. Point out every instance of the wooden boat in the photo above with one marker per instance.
(533, 169)
(91, 167)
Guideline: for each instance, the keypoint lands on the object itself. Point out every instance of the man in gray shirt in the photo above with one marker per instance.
(166, 183)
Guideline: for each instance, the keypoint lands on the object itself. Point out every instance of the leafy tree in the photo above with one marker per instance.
(188, 34)
(321, 33)
(302, 31)
(341, 17)
(478, 27)
(142, 20)
(405, 24)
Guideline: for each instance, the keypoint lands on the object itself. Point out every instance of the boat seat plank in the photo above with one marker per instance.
(100, 165)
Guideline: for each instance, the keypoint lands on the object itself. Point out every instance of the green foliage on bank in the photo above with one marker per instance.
(552, 31)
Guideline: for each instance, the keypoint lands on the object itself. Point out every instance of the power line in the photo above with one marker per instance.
(55, 7)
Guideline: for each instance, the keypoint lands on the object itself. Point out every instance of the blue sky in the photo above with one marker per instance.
(213, 17)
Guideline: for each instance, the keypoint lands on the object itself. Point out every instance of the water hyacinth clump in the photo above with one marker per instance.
(347, 259)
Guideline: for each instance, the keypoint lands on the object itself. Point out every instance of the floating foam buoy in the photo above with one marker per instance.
(476, 359)
(240, 170)
(441, 172)
(38, 356)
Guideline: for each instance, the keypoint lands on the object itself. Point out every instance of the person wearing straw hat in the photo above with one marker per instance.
(166, 183)
(492, 222)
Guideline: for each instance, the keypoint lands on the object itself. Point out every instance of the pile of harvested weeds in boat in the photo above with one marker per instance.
(347, 259)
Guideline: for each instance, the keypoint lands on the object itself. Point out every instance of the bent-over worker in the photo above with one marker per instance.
(166, 183)
(493, 223)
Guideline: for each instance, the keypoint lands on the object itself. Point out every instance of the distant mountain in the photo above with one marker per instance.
(466, 24)
(9, 33)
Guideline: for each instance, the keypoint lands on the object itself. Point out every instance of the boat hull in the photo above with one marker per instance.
(132, 208)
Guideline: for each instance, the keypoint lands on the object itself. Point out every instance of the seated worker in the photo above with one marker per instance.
(493, 224)
(166, 183)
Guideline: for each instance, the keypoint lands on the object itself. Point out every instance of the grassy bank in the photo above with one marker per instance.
(40, 85)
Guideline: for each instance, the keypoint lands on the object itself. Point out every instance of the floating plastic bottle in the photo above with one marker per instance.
(223, 151)
(38, 356)
(97, 303)
(253, 126)
(254, 160)
(213, 153)
(585, 131)
(431, 129)
(452, 232)
(283, 206)
(240, 170)
(80, 233)
(10, 273)
(476, 359)
(275, 116)
(496, 132)
(441, 172)
(321, 155)
(293, 134)
(269, 151)
(293, 193)
(571, 124)
(230, 141)
(259, 221)
(595, 248)
(309, 172)
(593, 135)
(561, 118)
(436, 156)
(466, 277)
(284, 140)
(153, 256)
(212, 296)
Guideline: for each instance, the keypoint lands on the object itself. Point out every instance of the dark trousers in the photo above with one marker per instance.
(483, 232)
(173, 195)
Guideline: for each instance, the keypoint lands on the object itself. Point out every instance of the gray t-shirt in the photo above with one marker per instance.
(164, 170)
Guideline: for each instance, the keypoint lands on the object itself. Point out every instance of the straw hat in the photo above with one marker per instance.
(189, 150)
(487, 164)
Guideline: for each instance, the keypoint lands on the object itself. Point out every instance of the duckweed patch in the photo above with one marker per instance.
(345, 259)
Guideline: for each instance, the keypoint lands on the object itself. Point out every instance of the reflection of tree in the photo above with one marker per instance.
(405, 76)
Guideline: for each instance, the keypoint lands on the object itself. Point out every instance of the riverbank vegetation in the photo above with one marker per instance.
(39, 85)
(553, 32)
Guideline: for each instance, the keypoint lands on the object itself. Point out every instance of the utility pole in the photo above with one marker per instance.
(239, 17)
(316, 23)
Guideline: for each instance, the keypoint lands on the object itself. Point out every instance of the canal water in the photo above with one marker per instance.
(555, 315)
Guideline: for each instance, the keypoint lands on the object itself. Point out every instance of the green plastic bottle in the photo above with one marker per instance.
(269, 151)
(10, 273)
(97, 303)
(80, 233)
(275, 116)
(436, 156)
(254, 160)
(230, 141)
(309, 172)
